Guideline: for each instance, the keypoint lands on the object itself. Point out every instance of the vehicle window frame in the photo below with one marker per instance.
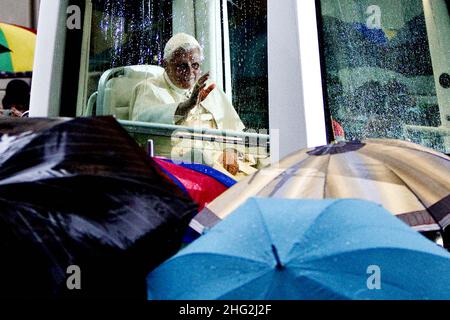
(296, 113)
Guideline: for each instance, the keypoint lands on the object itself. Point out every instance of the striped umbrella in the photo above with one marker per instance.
(16, 48)
(409, 180)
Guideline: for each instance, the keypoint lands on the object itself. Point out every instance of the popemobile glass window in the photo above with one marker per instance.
(177, 71)
(387, 69)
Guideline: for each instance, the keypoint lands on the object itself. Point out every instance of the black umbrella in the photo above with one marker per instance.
(82, 192)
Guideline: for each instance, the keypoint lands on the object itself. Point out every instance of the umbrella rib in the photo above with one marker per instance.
(325, 179)
(343, 252)
(326, 271)
(347, 273)
(404, 182)
(412, 191)
(293, 264)
(231, 256)
(243, 284)
(344, 297)
(324, 210)
(412, 149)
(285, 176)
(279, 264)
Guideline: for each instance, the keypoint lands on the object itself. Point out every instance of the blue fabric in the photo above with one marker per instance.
(175, 180)
(376, 36)
(325, 248)
(213, 173)
(228, 182)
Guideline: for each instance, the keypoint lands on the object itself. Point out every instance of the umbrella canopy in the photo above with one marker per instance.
(82, 192)
(306, 249)
(409, 180)
(202, 183)
(17, 46)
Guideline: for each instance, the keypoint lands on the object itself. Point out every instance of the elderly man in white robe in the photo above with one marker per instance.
(182, 96)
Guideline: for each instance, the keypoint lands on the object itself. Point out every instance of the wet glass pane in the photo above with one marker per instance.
(386, 64)
(126, 33)
(131, 33)
(129, 76)
(248, 47)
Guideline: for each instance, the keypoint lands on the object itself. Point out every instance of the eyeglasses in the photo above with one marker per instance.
(185, 66)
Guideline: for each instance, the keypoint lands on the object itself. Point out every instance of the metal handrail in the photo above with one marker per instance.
(107, 75)
(223, 136)
(89, 111)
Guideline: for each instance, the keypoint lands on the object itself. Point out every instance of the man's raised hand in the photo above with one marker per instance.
(199, 93)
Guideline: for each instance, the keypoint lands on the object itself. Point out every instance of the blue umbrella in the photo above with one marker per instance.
(306, 249)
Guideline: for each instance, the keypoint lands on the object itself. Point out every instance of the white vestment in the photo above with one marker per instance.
(156, 100)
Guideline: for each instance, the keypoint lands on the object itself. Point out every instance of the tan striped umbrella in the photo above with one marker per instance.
(409, 180)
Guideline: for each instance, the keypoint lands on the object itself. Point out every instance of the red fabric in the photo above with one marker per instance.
(29, 29)
(338, 130)
(202, 188)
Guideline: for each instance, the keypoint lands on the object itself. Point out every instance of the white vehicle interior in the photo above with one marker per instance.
(115, 88)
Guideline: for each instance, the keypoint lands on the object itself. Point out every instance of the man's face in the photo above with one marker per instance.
(184, 68)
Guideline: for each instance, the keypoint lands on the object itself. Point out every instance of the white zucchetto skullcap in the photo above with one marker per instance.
(180, 40)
